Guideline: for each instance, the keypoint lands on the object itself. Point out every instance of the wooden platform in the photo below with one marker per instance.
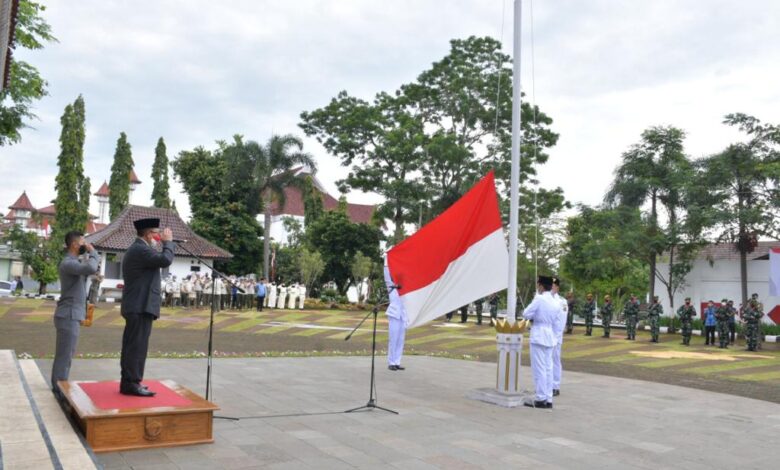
(108, 430)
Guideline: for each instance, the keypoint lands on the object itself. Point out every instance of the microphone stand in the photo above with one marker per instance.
(371, 405)
(214, 274)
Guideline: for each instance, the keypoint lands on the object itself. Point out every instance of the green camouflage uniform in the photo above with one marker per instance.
(631, 312)
(654, 314)
(752, 317)
(588, 311)
(722, 317)
(573, 308)
(606, 317)
(686, 314)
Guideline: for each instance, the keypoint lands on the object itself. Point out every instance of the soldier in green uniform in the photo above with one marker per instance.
(572, 303)
(686, 313)
(722, 317)
(478, 306)
(606, 315)
(654, 314)
(631, 312)
(752, 317)
(588, 311)
(493, 301)
(732, 322)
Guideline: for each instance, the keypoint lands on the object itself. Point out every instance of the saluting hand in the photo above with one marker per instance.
(166, 235)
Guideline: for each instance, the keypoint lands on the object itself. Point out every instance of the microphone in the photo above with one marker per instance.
(177, 240)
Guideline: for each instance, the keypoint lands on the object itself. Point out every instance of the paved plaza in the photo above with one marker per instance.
(290, 410)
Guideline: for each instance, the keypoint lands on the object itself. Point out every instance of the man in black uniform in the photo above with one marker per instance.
(141, 300)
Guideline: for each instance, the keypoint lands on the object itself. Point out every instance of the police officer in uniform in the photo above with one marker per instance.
(141, 299)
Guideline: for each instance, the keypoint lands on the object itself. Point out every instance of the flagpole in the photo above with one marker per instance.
(514, 191)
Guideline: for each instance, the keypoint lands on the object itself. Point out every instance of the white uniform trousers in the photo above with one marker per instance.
(557, 369)
(395, 341)
(542, 367)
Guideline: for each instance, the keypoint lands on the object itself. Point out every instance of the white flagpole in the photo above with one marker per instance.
(515, 181)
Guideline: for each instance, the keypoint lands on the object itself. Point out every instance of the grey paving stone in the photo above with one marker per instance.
(598, 422)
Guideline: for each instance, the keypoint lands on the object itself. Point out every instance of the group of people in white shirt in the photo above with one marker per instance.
(199, 290)
(548, 312)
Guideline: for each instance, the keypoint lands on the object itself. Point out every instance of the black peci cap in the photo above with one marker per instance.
(141, 224)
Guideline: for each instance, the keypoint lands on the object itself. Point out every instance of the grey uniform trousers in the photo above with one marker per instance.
(67, 339)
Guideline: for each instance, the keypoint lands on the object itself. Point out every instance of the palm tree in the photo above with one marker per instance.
(742, 189)
(273, 174)
(651, 172)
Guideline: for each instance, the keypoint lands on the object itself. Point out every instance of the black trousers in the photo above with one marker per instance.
(260, 302)
(709, 332)
(464, 314)
(135, 344)
(732, 332)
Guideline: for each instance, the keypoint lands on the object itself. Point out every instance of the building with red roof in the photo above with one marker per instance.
(293, 207)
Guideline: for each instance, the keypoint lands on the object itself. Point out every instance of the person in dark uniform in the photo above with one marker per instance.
(478, 307)
(141, 300)
(464, 313)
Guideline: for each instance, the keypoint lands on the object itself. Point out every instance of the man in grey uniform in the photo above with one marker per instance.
(72, 306)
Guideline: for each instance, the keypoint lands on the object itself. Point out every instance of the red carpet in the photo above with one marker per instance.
(105, 395)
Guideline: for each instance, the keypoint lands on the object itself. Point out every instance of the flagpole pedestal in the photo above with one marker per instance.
(509, 342)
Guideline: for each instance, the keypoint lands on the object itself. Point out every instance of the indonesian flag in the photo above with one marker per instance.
(457, 258)
(774, 272)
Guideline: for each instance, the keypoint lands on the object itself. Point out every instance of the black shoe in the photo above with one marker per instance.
(136, 390)
(549, 405)
(400, 368)
(556, 392)
(392, 367)
(537, 404)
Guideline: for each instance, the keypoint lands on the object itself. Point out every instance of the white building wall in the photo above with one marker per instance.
(277, 232)
(717, 281)
(181, 267)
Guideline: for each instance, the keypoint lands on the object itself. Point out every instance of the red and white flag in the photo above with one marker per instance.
(774, 272)
(457, 258)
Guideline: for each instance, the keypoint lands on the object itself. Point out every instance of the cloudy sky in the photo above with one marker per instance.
(198, 71)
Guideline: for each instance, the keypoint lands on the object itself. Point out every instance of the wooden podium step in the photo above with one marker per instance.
(115, 429)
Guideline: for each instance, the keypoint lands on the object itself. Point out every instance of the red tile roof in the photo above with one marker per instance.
(134, 177)
(48, 210)
(121, 233)
(23, 203)
(103, 190)
(293, 205)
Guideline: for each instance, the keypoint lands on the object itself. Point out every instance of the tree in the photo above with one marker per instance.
(311, 266)
(219, 213)
(338, 240)
(465, 103)
(160, 197)
(273, 173)
(26, 84)
(119, 184)
(313, 206)
(427, 143)
(655, 171)
(361, 269)
(382, 142)
(73, 188)
(41, 255)
(601, 251)
(742, 200)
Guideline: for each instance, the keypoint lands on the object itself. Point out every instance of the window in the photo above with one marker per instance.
(113, 266)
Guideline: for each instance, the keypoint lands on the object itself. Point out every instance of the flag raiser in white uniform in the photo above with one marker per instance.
(563, 314)
(397, 321)
(544, 311)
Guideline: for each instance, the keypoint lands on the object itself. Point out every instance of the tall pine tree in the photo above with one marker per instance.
(119, 185)
(73, 188)
(160, 197)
